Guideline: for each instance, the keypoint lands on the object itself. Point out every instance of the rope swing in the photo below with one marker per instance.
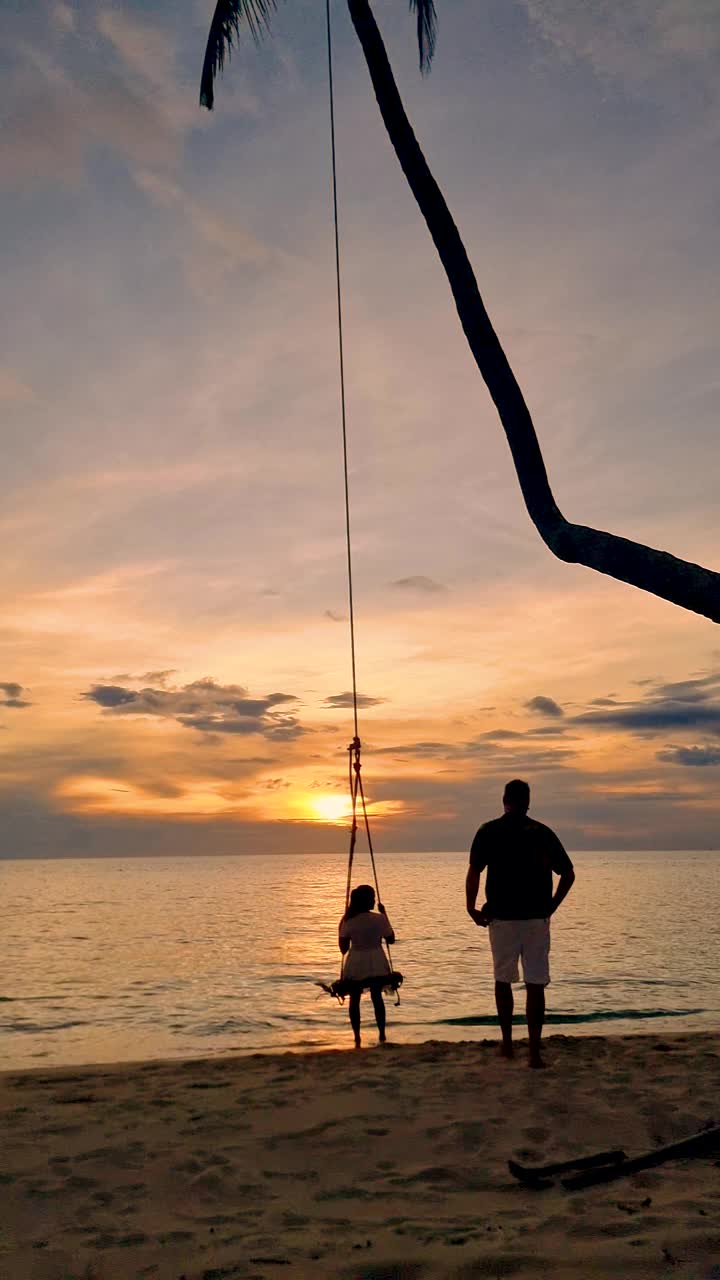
(340, 988)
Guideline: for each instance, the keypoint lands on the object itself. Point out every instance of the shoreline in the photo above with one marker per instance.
(608, 1025)
(368, 1166)
(369, 1033)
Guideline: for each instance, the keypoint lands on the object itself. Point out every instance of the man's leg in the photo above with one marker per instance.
(505, 1004)
(536, 974)
(535, 1010)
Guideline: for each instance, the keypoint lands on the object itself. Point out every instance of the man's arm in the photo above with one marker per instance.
(563, 867)
(472, 885)
(565, 884)
(389, 935)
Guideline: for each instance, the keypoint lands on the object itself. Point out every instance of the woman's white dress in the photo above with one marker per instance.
(366, 958)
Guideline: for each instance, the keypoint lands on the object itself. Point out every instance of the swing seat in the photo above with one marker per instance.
(343, 987)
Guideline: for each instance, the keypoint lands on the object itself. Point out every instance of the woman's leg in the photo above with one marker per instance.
(379, 1007)
(355, 1015)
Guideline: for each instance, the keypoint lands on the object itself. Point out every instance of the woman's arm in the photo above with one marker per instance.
(389, 934)
(343, 938)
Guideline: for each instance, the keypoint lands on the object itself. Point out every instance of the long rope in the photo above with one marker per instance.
(356, 789)
(356, 786)
(331, 89)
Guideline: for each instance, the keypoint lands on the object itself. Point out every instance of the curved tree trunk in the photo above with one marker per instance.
(686, 584)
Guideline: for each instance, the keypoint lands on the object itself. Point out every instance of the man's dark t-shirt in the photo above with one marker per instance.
(520, 855)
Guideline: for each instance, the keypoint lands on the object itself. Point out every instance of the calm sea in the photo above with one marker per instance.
(110, 960)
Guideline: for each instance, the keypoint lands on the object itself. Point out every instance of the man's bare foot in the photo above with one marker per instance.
(506, 1050)
(536, 1061)
(358, 1043)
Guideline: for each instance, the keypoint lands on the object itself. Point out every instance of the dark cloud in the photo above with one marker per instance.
(495, 743)
(110, 695)
(421, 750)
(695, 690)
(13, 695)
(698, 757)
(545, 707)
(147, 677)
(158, 788)
(505, 755)
(654, 719)
(341, 700)
(418, 582)
(203, 705)
(681, 704)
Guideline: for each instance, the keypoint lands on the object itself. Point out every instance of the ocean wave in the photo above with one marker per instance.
(31, 1028)
(559, 1019)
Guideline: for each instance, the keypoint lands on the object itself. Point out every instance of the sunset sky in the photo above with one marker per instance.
(174, 651)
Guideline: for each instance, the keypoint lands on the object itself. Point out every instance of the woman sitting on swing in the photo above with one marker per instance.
(366, 966)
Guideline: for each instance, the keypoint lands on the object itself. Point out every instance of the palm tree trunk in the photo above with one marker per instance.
(685, 584)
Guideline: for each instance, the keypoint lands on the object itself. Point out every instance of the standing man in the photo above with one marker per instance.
(520, 855)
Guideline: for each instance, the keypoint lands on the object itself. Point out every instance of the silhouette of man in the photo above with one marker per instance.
(520, 855)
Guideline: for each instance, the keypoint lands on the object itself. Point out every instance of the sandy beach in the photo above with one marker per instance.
(369, 1166)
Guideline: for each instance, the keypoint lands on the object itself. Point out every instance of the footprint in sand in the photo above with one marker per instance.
(176, 1237)
(207, 1184)
(214, 1159)
(75, 1182)
(75, 1099)
(132, 1239)
(193, 1165)
(135, 1189)
(294, 1221)
(536, 1134)
(495, 1266)
(387, 1271)
(98, 1153)
(614, 1230)
(104, 1241)
(39, 1191)
(226, 1272)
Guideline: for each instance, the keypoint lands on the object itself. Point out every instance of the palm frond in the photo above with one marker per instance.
(426, 30)
(225, 28)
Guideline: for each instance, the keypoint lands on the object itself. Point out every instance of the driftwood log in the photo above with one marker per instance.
(606, 1166)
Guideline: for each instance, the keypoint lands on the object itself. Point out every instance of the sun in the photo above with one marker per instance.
(330, 808)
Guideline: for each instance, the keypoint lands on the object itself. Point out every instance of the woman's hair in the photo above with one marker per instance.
(362, 899)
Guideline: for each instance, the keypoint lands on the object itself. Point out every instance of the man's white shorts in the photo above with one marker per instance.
(512, 939)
